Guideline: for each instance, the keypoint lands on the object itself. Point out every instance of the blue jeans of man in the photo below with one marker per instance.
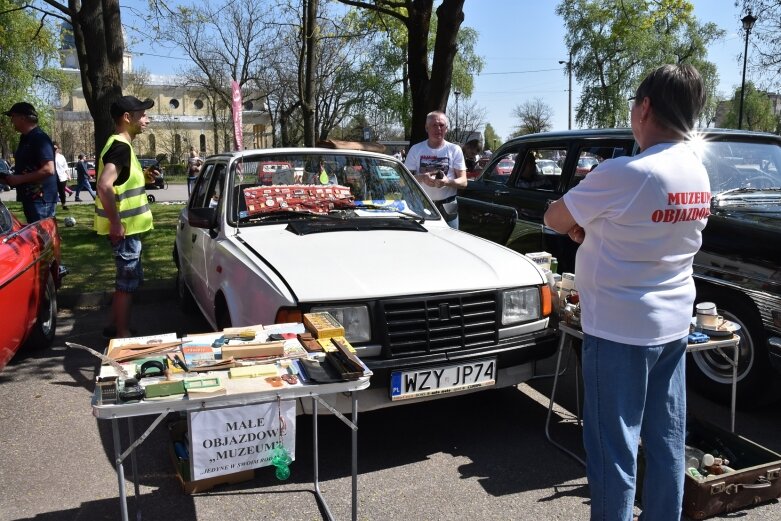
(634, 392)
(37, 209)
(82, 183)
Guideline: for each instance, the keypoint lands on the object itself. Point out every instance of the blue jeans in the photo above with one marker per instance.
(37, 209)
(634, 392)
(82, 183)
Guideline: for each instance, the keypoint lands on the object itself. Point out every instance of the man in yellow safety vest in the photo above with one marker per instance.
(121, 210)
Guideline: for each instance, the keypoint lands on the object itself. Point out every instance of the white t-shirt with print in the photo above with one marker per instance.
(643, 217)
(421, 159)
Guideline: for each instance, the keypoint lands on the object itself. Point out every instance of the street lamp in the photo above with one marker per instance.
(455, 127)
(569, 90)
(748, 23)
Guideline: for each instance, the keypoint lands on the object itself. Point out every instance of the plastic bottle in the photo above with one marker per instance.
(694, 457)
(554, 265)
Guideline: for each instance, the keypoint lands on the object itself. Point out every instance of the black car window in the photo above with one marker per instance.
(591, 155)
(500, 170)
(540, 169)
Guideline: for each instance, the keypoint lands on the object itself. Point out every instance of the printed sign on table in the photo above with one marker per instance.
(224, 441)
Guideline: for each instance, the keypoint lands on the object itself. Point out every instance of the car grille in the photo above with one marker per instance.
(440, 323)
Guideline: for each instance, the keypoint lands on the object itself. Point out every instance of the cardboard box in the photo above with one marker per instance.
(178, 430)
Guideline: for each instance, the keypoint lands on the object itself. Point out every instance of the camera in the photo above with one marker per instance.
(439, 174)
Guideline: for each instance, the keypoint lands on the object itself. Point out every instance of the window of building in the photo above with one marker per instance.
(198, 104)
(248, 105)
(174, 103)
(202, 143)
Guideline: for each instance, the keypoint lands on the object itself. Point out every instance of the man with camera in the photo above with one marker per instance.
(439, 167)
(35, 178)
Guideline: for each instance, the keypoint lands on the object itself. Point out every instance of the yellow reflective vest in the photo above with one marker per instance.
(130, 196)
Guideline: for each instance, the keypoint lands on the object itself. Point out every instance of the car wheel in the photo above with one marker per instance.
(42, 334)
(711, 374)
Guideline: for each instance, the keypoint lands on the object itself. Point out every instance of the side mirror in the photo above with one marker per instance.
(202, 217)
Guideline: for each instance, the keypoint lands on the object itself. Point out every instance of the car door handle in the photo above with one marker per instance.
(502, 192)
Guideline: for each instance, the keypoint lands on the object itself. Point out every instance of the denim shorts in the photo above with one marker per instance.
(127, 257)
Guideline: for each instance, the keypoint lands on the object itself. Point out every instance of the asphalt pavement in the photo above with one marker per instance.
(482, 456)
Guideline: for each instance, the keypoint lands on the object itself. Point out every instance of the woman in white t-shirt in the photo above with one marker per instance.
(640, 222)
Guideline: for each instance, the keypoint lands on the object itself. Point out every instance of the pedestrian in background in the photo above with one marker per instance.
(61, 165)
(122, 211)
(439, 167)
(82, 178)
(34, 176)
(634, 277)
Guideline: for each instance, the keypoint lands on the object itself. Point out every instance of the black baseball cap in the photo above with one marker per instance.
(129, 104)
(23, 108)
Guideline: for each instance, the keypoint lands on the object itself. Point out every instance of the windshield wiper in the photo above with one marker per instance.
(740, 191)
(281, 215)
(408, 215)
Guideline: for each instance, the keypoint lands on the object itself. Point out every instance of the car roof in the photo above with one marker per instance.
(627, 133)
(301, 151)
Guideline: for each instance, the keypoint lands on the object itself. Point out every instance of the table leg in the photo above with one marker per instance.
(562, 343)
(134, 467)
(354, 400)
(735, 357)
(120, 468)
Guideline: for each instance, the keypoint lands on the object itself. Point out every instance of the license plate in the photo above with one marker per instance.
(442, 379)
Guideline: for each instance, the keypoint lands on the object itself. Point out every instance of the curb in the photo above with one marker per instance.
(151, 291)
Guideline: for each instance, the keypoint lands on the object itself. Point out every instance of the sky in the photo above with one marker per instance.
(521, 43)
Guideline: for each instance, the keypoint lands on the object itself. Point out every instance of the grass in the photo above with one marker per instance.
(88, 256)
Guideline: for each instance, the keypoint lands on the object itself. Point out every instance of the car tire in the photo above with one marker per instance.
(42, 334)
(711, 375)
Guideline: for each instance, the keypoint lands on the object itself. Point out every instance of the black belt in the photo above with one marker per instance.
(447, 200)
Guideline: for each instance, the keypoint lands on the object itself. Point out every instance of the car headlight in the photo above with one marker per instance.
(520, 305)
(354, 319)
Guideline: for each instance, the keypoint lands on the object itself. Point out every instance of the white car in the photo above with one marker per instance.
(429, 309)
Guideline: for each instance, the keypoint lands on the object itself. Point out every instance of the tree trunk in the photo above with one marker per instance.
(97, 31)
(431, 93)
(307, 75)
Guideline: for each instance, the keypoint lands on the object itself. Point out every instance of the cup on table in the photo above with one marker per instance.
(707, 316)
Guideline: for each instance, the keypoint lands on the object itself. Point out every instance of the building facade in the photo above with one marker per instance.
(182, 118)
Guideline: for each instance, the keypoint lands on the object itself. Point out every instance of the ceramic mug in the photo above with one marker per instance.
(706, 308)
(708, 321)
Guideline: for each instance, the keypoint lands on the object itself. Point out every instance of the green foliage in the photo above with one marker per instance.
(27, 68)
(492, 139)
(615, 43)
(757, 111)
(88, 256)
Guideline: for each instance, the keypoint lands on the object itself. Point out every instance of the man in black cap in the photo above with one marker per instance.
(121, 210)
(36, 177)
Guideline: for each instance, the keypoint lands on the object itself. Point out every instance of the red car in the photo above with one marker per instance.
(505, 167)
(266, 170)
(29, 277)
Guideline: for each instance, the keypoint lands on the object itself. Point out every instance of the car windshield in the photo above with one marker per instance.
(272, 186)
(739, 167)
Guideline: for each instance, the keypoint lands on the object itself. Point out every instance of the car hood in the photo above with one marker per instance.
(349, 265)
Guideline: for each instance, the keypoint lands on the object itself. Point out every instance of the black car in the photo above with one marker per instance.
(738, 266)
